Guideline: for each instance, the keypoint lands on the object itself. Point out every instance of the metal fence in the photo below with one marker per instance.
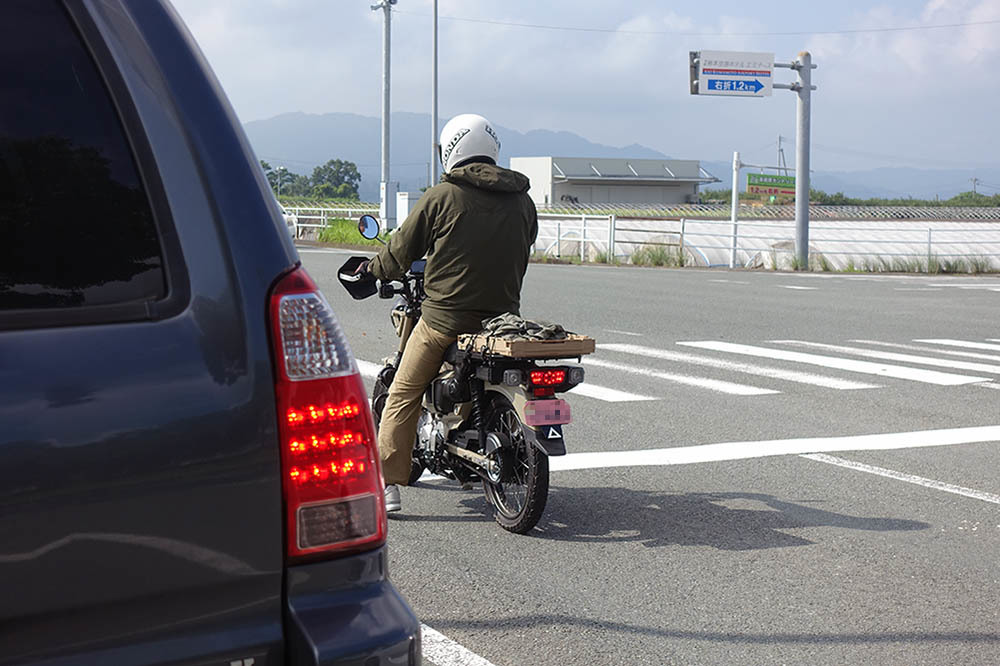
(721, 211)
(906, 241)
(841, 244)
(310, 219)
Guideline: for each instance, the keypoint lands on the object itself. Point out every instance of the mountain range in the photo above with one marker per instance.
(301, 141)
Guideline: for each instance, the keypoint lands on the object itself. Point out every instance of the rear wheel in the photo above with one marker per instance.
(379, 395)
(518, 483)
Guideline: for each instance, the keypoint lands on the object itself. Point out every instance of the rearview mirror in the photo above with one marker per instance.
(368, 226)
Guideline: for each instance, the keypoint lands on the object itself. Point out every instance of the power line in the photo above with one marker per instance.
(674, 33)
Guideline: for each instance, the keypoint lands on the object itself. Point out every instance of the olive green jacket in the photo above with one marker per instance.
(476, 229)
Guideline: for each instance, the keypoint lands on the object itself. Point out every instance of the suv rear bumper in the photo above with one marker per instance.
(346, 612)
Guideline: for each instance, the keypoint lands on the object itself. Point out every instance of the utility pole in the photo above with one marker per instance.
(975, 181)
(802, 128)
(387, 208)
(781, 157)
(434, 101)
(735, 207)
(803, 66)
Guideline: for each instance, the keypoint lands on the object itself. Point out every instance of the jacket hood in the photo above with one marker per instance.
(488, 177)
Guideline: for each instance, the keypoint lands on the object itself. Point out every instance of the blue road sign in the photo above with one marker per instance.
(735, 85)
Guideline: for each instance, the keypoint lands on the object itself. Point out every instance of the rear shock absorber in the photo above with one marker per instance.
(478, 419)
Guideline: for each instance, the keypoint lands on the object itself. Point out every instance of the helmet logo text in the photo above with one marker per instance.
(454, 142)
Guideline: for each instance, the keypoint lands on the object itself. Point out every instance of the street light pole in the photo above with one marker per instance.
(434, 101)
(388, 196)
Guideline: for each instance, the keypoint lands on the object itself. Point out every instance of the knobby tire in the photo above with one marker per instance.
(517, 506)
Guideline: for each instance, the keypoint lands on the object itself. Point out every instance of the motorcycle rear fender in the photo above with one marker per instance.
(540, 437)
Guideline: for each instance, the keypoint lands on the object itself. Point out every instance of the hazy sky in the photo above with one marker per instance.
(924, 98)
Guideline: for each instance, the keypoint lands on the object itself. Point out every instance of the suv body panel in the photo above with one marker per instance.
(140, 482)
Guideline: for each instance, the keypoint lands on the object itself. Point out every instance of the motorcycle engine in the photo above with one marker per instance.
(430, 435)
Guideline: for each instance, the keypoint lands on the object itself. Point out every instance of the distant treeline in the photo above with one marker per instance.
(337, 179)
(820, 197)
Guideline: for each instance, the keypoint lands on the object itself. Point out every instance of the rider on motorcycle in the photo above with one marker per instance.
(476, 229)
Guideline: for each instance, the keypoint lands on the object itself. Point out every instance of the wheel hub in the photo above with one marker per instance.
(500, 457)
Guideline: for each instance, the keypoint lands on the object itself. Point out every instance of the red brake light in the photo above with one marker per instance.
(331, 477)
(553, 377)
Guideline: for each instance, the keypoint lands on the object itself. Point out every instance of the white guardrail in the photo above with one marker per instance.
(896, 244)
(833, 244)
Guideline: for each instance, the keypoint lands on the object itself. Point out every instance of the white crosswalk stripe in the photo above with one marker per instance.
(616, 377)
(736, 366)
(930, 350)
(608, 394)
(700, 382)
(961, 343)
(851, 365)
(895, 356)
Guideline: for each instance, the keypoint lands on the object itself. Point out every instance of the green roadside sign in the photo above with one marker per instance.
(775, 185)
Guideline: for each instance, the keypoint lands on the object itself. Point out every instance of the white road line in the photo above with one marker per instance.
(916, 289)
(735, 366)
(615, 330)
(443, 651)
(608, 394)
(687, 455)
(989, 385)
(948, 352)
(993, 339)
(699, 382)
(960, 343)
(730, 281)
(909, 478)
(368, 369)
(893, 356)
(792, 286)
(881, 369)
(974, 287)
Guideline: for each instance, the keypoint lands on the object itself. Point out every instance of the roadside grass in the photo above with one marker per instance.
(658, 255)
(344, 232)
(603, 258)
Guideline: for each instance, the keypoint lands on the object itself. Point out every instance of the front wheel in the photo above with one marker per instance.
(518, 485)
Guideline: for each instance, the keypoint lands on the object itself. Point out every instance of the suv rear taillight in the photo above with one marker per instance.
(329, 464)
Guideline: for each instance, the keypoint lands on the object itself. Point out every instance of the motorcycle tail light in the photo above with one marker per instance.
(548, 377)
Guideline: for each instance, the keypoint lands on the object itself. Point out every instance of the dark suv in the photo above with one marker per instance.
(187, 466)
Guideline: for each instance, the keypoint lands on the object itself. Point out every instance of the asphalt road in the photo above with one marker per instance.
(881, 549)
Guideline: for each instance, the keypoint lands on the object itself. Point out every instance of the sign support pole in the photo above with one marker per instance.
(804, 69)
(733, 216)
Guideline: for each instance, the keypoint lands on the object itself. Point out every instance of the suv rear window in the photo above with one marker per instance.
(76, 228)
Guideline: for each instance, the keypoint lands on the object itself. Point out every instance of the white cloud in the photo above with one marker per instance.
(894, 93)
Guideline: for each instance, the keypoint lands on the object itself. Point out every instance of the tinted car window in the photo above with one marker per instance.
(76, 228)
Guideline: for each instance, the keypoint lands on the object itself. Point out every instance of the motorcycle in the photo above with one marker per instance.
(486, 416)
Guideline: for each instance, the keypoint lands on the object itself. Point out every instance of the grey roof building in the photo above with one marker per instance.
(581, 180)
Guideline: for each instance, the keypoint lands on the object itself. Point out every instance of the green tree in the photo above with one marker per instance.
(278, 178)
(342, 175)
(296, 185)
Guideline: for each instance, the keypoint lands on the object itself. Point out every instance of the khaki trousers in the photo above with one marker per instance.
(397, 433)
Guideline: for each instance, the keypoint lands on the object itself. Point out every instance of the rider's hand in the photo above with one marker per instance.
(362, 268)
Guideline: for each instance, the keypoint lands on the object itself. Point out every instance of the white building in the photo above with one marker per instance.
(581, 180)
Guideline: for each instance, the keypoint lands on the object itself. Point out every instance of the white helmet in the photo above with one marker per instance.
(465, 137)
